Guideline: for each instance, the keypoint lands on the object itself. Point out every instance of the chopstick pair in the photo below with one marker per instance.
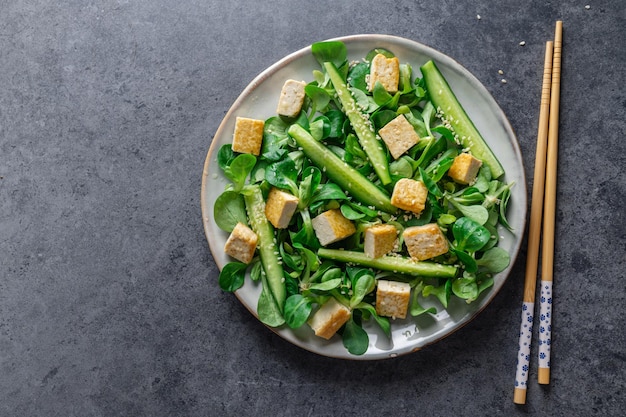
(543, 204)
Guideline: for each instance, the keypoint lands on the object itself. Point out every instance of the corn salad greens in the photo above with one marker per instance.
(331, 156)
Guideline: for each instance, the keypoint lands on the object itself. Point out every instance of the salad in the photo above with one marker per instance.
(369, 191)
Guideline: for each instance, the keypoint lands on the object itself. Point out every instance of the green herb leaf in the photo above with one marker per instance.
(357, 77)
(355, 339)
(267, 309)
(330, 51)
(383, 322)
(225, 156)
(229, 209)
(239, 169)
(406, 84)
(329, 191)
(504, 202)
(494, 260)
(354, 149)
(442, 292)
(383, 51)
(350, 213)
(443, 131)
(381, 117)
(364, 102)
(441, 169)
(256, 270)
(297, 310)
(319, 98)
(232, 276)
(430, 184)
(477, 213)
(364, 285)
(328, 285)
(465, 288)
(380, 94)
(484, 283)
(311, 179)
(402, 167)
(418, 310)
(469, 235)
(336, 118)
(467, 260)
(332, 273)
(283, 174)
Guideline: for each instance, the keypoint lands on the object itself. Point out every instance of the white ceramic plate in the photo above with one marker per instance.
(259, 101)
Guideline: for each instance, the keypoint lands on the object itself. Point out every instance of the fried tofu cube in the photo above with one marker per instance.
(464, 168)
(387, 71)
(241, 243)
(380, 240)
(291, 98)
(279, 207)
(248, 135)
(410, 195)
(331, 226)
(329, 318)
(399, 136)
(425, 242)
(392, 298)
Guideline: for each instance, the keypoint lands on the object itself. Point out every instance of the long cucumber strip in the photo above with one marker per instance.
(348, 178)
(255, 206)
(390, 263)
(446, 102)
(367, 138)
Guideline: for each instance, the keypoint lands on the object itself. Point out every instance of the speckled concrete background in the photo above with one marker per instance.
(109, 303)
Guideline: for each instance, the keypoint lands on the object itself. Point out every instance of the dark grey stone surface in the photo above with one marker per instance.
(109, 303)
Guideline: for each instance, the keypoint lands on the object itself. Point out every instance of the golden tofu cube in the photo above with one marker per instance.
(248, 135)
(279, 207)
(291, 98)
(464, 168)
(387, 71)
(329, 318)
(410, 195)
(331, 226)
(241, 243)
(425, 242)
(392, 298)
(380, 240)
(399, 136)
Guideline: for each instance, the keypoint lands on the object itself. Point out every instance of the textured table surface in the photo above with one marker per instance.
(109, 304)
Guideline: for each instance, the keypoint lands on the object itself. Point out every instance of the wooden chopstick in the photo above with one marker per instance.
(547, 253)
(543, 204)
(534, 233)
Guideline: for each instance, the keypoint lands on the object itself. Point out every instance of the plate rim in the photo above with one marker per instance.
(442, 60)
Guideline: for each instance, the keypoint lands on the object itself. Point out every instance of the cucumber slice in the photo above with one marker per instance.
(390, 263)
(446, 102)
(367, 138)
(348, 178)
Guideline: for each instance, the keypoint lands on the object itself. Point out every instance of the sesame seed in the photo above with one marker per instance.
(478, 16)
(500, 72)
(587, 7)
(503, 81)
(522, 43)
